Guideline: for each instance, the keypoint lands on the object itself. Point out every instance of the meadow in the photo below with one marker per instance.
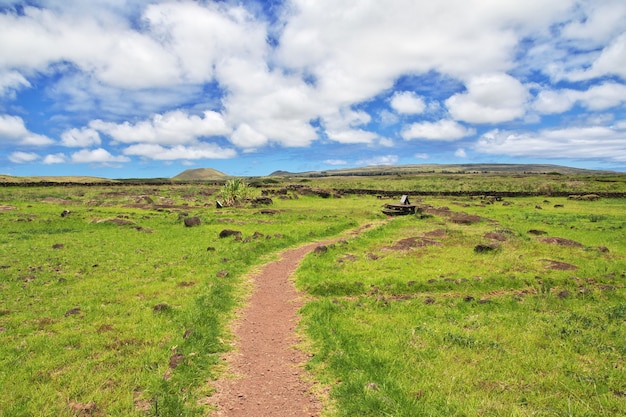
(119, 309)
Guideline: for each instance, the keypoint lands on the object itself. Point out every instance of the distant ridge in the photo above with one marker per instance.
(199, 174)
(443, 169)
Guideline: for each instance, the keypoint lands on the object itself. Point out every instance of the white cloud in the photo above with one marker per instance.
(180, 152)
(386, 142)
(12, 128)
(599, 97)
(246, 137)
(23, 157)
(80, 138)
(379, 160)
(97, 156)
(460, 153)
(351, 136)
(110, 50)
(10, 82)
(490, 98)
(597, 23)
(407, 102)
(421, 156)
(612, 61)
(336, 162)
(57, 158)
(592, 142)
(172, 128)
(201, 36)
(444, 130)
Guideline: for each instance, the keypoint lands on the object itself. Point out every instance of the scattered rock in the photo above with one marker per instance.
(176, 360)
(495, 236)
(347, 258)
(72, 312)
(65, 213)
(559, 266)
(105, 328)
(222, 274)
(466, 219)
(269, 211)
(161, 308)
(486, 247)
(228, 232)
(58, 246)
(563, 294)
(429, 300)
(468, 298)
(321, 249)
(192, 221)
(561, 242)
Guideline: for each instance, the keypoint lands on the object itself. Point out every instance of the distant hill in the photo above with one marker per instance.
(53, 179)
(442, 169)
(200, 174)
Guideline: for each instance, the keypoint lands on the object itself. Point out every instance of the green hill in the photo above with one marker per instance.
(200, 174)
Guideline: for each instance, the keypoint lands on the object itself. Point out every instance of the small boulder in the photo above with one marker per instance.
(192, 221)
(228, 232)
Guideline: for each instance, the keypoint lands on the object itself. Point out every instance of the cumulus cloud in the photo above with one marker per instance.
(601, 142)
(612, 61)
(57, 158)
(379, 160)
(491, 98)
(172, 128)
(407, 102)
(80, 138)
(336, 162)
(460, 153)
(599, 97)
(10, 82)
(197, 151)
(23, 157)
(12, 129)
(97, 156)
(444, 130)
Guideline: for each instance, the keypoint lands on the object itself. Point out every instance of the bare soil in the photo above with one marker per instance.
(266, 370)
(266, 375)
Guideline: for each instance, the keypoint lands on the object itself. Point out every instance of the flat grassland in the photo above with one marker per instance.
(473, 306)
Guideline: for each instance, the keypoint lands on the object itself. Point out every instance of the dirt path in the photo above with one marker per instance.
(267, 368)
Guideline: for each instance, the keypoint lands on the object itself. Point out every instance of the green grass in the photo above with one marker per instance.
(441, 330)
(94, 306)
(98, 319)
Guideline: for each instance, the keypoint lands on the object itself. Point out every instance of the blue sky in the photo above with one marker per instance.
(149, 88)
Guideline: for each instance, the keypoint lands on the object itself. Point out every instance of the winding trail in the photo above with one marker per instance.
(266, 368)
(265, 375)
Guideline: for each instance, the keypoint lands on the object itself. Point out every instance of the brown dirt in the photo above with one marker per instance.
(267, 374)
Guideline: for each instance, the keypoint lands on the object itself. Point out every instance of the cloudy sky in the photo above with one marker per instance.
(149, 88)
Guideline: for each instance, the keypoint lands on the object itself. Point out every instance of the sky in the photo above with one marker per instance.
(150, 88)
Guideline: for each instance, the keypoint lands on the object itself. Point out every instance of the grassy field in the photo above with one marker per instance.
(118, 309)
(462, 312)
